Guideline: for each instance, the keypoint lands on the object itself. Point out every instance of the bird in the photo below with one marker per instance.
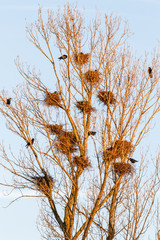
(8, 102)
(28, 143)
(132, 160)
(91, 133)
(62, 57)
(150, 72)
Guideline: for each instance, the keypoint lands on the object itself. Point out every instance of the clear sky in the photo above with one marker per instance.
(18, 222)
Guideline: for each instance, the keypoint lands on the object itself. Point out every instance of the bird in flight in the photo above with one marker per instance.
(62, 57)
(8, 102)
(150, 72)
(132, 160)
(28, 143)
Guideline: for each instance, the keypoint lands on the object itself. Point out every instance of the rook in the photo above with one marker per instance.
(132, 160)
(62, 57)
(150, 72)
(28, 143)
(8, 101)
(91, 133)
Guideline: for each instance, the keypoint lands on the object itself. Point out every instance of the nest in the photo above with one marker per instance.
(93, 77)
(52, 99)
(44, 183)
(106, 97)
(81, 162)
(66, 142)
(123, 168)
(65, 147)
(84, 106)
(120, 150)
(55, 128)
(81, 58)
(68, 137)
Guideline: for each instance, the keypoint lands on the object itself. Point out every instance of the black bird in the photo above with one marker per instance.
(28, 143)
(91, 133)
(8, 102)
(150, 72)
(62, 57)
(132, 160)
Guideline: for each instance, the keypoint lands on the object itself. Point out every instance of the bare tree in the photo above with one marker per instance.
(89, 121)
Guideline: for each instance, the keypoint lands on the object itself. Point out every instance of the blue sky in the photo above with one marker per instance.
(18, 221)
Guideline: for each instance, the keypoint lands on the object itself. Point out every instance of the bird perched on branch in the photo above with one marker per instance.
(8, 102)
(91, 133)
(29, 143)
(132, 160)
(62, 57)
(150, 72)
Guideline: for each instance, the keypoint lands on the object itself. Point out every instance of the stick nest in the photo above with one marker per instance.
(55, 128)
(84, 106)
(66, 148)
(120, 150)
(81, 162)
(81, 58)
(52, 99)
(92, 77)
(123, 168)
(106, 97)
(66, 142)
(43, 183)
(69, 136)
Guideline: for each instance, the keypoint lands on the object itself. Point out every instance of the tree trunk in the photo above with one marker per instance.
(111, 228)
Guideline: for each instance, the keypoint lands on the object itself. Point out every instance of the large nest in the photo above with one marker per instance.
(92, 77)
(68, 137)
(120, 150)
(52, 99)
(43, 183)
(106, 97)
(84, 106)
(81, 162)
(55, 128)
(121, 168)
(81, 58)
(66, 142)
(65, 147)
